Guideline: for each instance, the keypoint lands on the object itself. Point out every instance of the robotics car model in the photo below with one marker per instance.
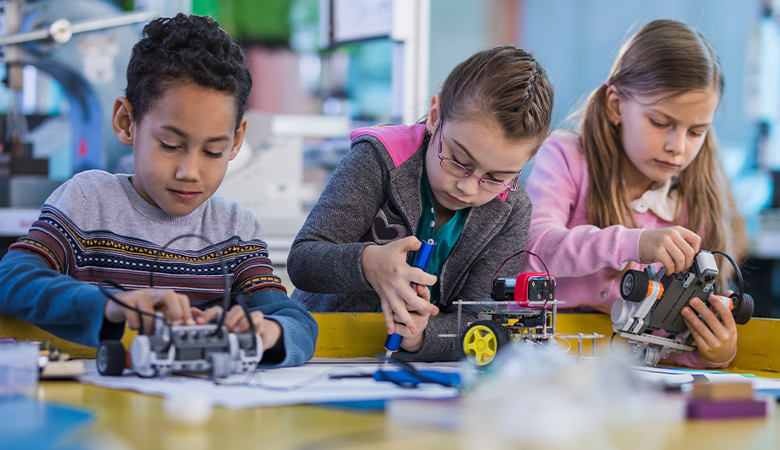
(193, 349)
(649, 315)
(522, 308)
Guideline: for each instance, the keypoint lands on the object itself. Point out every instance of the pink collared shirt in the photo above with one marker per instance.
(582, 257)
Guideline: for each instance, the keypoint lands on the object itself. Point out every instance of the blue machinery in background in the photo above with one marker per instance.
(84, 45)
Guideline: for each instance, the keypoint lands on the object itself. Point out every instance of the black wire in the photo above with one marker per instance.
(612, 339)
(242, 303)
(411, 370)
(549, 277)
(740, 296)
(121, 303)
(226, 296)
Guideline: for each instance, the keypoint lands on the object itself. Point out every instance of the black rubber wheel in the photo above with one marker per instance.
(745, 312)
(482, 340)
(111, 358)
(634, 285)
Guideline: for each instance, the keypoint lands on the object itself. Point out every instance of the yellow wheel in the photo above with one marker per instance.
(482, 340)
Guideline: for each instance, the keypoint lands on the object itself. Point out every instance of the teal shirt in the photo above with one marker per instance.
(445, 237)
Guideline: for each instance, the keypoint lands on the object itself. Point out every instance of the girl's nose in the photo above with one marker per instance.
(675, 142)
(469, 185)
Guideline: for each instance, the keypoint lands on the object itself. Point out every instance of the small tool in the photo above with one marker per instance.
(408, 379)
(421, 259)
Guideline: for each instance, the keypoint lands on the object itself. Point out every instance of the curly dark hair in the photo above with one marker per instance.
(186, 48)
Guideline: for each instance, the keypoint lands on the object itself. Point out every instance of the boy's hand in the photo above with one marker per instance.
(674, 247)
(236, 322)
(717, 338)
(386, 270)
(175, 308)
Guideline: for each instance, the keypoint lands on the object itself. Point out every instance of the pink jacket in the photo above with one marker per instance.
(581, 256)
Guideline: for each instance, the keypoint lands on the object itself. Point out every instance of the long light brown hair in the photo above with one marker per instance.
(666, 58)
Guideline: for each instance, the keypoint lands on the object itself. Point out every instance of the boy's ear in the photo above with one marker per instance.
(238, 139)
(614, 105)
(434, 114)
(122, 121)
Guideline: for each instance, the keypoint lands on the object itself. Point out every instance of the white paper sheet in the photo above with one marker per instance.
(309, 383)
(676, 376)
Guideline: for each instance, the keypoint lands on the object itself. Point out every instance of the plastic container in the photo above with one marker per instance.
(18, 368)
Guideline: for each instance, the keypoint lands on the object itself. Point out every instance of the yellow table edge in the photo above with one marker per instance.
(355, 335)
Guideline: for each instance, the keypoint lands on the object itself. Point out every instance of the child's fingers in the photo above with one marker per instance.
(701, 342)
(400, 314)
(693, 239)
(420, 276)
(682, 240)
(258, 320)
(387, 314)
(177, 306)
(209, 315)
(197, 315)
(132, 317)
(677, 257)
(726, 317)
(403, 330)
(407, 244)
(416, 303)
(235, 319)
(697, 326)
(667, 261)
(423, 292)
(145, 305)
(712, 321)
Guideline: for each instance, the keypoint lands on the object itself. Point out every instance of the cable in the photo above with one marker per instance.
(612, 339)
(121, 303)
(549, 277)
(242, 303)
(226, 296)
(566, 341)
(739, 279)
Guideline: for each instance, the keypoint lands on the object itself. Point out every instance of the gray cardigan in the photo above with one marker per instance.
(369, 201)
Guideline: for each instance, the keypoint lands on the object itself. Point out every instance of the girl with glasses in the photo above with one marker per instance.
(450, 179)
(641, 183)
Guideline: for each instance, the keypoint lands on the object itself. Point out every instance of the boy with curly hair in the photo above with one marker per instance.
(183, 115)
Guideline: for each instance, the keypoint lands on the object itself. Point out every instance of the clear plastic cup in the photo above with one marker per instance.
(18, 368)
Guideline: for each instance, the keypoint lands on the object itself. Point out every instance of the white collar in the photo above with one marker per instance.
(659, 200)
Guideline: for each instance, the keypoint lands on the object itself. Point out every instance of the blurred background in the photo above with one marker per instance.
(324, 67)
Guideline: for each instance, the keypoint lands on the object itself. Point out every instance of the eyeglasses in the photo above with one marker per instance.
(454, 168)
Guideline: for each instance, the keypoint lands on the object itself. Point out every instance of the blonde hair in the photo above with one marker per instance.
(667, 58)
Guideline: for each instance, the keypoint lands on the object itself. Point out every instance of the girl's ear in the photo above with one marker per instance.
(122, 121)
(434, 114)
(614, 105)
(238, 139)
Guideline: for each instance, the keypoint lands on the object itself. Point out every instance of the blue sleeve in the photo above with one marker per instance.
(69, 309)
(299, 329)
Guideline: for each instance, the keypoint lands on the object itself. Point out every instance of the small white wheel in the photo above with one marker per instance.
(141, 356)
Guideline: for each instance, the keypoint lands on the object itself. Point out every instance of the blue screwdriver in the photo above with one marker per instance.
(421, 259)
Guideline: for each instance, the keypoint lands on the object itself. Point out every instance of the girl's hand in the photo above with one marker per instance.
(674, 247)
(175, 308)
(236, 322)
(386, 270)
(412, 341)
(717, 339)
